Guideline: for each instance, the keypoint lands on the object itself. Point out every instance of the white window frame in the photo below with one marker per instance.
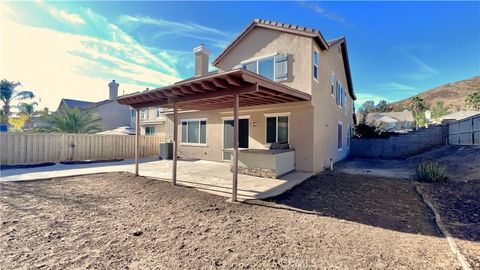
(313, 64)
(257, 61)
(144, 113)
(226, 118)
(339, 94)
(267, 115)
(133, 113)
(150, 128)
(341, 141)
(199, 131)
(158, 112)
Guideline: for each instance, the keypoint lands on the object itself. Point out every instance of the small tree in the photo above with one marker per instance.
(439, 110)
(383, 106)
(473, 100)
(71, 120)
(8, 93)
(367, 107)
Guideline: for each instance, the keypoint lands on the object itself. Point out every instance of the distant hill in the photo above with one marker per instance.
(453, 95)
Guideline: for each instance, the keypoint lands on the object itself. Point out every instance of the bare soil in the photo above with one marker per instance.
(459, 207)
(116, 220)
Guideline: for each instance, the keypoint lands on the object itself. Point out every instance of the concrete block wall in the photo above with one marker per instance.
(401, 145)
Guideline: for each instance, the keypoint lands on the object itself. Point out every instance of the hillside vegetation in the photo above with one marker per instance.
(453, 95)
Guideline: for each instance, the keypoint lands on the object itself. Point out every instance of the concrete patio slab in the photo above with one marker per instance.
(207, 176)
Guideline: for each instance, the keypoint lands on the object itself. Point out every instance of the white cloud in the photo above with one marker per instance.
(4, 9)
(63, 15)
(56, 65)
(166, 28)
(420, 69)
(394, 87)
(362, 97)
(324, 13)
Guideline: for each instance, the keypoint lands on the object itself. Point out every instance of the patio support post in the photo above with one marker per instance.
(137, 138)
(175, 139)
(235, 148)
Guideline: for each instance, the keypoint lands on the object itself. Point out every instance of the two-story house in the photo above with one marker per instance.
(152, 120)
(290, 88)
(112, 114)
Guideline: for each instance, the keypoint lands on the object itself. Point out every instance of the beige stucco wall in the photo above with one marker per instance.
(151, 120)
(112, 114)
(313, 125)
(326, 112)
(300, 135)
(261, 42)
(159, 128)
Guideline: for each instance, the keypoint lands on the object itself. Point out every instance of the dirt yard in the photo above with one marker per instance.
(114, 221)
(459, 207)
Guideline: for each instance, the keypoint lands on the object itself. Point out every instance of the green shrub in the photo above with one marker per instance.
(429, 171)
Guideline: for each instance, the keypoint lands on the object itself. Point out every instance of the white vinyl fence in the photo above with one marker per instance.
(35, 148)
(465, 131)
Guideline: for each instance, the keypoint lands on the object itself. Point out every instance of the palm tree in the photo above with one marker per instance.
(8, 94)
(28, 111)
(418, 108)
(71, 120)
(418, 105)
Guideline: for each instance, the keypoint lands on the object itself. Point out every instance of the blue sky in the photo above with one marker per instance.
(73, 49)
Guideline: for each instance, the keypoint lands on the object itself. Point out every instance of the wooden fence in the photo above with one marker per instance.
(35, 148)
(465, 131)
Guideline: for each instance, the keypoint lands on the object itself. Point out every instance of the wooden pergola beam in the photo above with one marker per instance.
(196, 88)
(220, 83)
(208, 85)
(233, 80)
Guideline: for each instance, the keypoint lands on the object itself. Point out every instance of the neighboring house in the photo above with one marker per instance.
(152, 120)
(456, 116)
(293, 86)
(112, 114)
(392, 121)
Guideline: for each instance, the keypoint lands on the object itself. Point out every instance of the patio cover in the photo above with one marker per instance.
(232, 89)
(216, 92)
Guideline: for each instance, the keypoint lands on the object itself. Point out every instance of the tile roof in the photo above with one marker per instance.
(74, 103)
(296, 30)
(400, 116)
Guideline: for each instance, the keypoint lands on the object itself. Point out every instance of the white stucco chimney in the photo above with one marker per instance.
(201, 60)
(112, 90)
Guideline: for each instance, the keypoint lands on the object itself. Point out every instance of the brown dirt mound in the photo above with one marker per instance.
(115, 221)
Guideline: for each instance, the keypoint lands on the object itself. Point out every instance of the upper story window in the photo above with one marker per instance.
(273, 67)
(144, 113)
(159, 112)
(332, 84)
(339, 95)
(315, 65)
